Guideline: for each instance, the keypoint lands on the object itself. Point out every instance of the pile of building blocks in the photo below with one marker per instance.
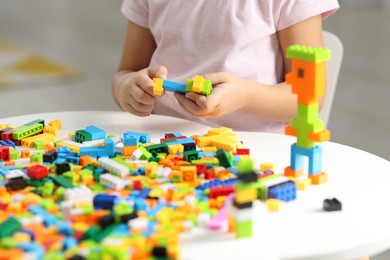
(96, 196)
(126, 197)
(198, 85)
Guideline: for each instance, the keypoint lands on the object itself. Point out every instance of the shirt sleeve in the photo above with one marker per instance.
(136, 11)
(290, 12)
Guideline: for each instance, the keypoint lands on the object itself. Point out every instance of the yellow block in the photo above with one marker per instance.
(45, 137)
(220, 130)
(274, 205)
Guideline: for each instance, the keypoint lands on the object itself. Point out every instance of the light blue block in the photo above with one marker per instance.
(174, 86)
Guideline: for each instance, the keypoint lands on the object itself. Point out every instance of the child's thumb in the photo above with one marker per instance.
(158, 72)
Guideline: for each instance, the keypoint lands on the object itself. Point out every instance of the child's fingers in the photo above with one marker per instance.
(133, 107)
(143, 97)
(145, 83)
(191, 106)
(217, 78)
(206, 103)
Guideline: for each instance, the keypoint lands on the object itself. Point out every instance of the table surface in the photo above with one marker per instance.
(301, 230)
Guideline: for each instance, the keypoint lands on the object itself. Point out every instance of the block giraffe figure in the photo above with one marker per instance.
(307, 79)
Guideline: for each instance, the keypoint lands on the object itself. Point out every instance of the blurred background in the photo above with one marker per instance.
(81, 41)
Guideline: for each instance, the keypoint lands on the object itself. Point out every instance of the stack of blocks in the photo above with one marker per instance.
(240, 212)
(307, 80)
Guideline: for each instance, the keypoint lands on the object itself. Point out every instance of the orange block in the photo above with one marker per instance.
(85, 160)
(289, 130)
(291, 173)
(9, 163)
(319, 178)
(14, 254)
(25, 154)
(129, 150)
(321, 136)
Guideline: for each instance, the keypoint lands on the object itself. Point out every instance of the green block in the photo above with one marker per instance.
(119, 210)
(145, 154)
(244, 229)
(26, 131)
(54, 255)
(36, 157)
(245, 165)
(262, 193)
(88, 210)
(9, 227)
(36, 121)
(60, 180)
(206, 87)
(122, 162)
(97, 187)
(191, 155)
(37, 183)
(47, 189)
(114, 253)
(154, 159)
(308, 113)
(156, 148)
(8, 242)
(303, 140)
(223, 158)
(39, 145)
(86, 172)
(82, 136)
(60, 191)
(47, 203)
(308, 53)
(14, 154)
(70, 176)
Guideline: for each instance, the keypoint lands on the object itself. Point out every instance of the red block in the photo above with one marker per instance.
(37, 172)
(242, 151)
(4, 153)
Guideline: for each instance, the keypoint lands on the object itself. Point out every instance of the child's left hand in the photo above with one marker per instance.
(228, 95)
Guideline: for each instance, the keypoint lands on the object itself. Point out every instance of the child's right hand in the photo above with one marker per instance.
(136, 90)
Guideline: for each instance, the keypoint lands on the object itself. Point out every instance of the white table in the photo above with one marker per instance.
(302, 230)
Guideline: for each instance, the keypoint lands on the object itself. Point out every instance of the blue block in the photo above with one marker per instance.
(7, 143)
(286, 191)
(140, 171)
(153, 212)
(129, 140)
(73, 159)
(174, 86)
(177, 134)
(140, 204)
(141, 137)
(187, 140)
(34, 248)
(63, 149)
(69, 243)
(96, 132)
(315, 158)
(144, 193)
(104, 201)
(65, 228)
(206, 154)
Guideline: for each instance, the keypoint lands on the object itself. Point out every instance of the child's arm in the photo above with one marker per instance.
(231, 93)
(132, 86)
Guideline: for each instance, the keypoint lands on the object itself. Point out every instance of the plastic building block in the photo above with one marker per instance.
(332, 205)
(114, 167)
(37, 172)
(274, 205)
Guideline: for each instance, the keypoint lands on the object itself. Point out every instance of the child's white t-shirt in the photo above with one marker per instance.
(196, 37)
